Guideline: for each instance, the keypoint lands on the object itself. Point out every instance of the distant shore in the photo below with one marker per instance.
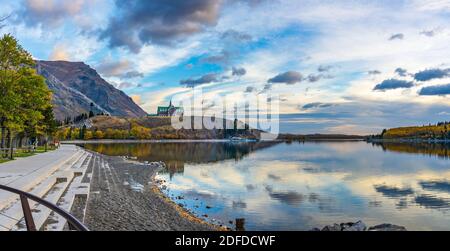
(132, 141)
(403, 140)
(298, 139)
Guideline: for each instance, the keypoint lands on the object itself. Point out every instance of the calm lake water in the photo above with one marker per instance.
(299, 186)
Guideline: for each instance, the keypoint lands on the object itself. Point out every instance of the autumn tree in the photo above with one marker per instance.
(50, 124)
(88, 135)
(99, 134)
(26, 100)
(15, 62)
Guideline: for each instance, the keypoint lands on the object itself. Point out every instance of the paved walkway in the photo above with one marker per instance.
(25, 173)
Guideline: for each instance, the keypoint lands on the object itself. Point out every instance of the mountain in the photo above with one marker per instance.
(76, 86)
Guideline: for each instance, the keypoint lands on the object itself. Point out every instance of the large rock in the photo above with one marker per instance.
(358, 226)
(334, 228)
(387, 227)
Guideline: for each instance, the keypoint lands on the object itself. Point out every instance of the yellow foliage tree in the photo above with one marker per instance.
(99, 134)
(110, 134)
(140, 132)
(75, 134)
(88, 135)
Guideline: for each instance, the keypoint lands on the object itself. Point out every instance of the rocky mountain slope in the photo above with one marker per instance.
(76, 86)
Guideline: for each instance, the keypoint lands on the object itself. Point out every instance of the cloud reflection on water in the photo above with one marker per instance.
(300, 186)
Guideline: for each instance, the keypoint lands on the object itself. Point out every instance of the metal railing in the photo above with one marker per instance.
(29, 221)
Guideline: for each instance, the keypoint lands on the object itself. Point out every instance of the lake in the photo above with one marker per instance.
(299, 186)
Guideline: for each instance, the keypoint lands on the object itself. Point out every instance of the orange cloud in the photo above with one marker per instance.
(59, 53)
(136, 99)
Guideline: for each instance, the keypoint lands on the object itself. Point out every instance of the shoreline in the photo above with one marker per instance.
(131, 141)
(181, 210)
(187, 214)
(126, 141)
(124, 196)
(399, 140)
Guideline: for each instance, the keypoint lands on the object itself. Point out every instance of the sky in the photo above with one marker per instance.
(352, 67)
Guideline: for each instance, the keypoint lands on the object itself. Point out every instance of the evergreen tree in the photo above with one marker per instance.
(50, 124)
(82, 132)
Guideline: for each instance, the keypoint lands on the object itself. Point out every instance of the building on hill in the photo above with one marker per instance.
(170, 111)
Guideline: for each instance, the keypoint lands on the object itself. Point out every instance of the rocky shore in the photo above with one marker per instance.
(123, 197)
(360, 226)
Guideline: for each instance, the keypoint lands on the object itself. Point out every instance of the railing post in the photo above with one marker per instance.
(71, 227)
(24, 196)
(27, 213)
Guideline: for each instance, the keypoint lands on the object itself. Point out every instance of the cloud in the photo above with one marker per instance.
(121, 69)
(239, 71)
(267, 87)
(393, 84)
(428, 33)
(132, 74)
(431, 201)
(124, 85)
(401, 72)
(399, 36)
(314, 78)
(250, 187)
(435, 90)
(432, 74)
(324, 68)
(162, 22)
(48, 12)
(236, 36)
(288, 197)
(206, 79)
(250, 89)
(274, 177)
(59, 52)
(251, 3)
(436, 185)
(231, 42)
(393, 192)
(136, 99)
(374, 72)
(290, 77)
(316, 105)
(114, 68)
(221, 58)
(239, 205)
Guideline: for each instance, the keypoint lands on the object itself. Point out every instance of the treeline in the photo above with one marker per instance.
(135, 132)
(440, 150)
(26, 112)
(139, 132)
(69, 133)
(438, 131)
(80, 118)
(318, 137)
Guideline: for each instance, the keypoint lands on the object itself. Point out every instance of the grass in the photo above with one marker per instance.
(24, 154)
(4, 160)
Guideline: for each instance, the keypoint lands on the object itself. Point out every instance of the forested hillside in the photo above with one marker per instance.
(145, 128)
(440, 130)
